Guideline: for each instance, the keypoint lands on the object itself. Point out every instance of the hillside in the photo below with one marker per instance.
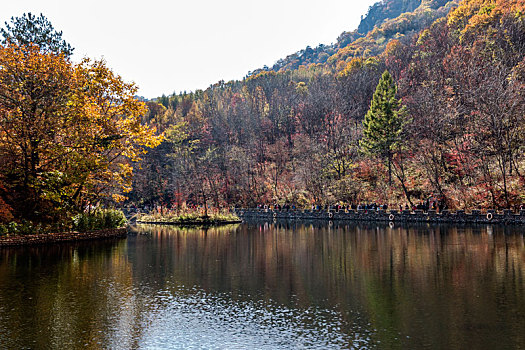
(295, 135)
(386, 20)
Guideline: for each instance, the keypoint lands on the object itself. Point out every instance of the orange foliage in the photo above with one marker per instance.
(67, 131)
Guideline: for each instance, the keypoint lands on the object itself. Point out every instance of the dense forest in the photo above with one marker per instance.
(294, 133)
(425, 99)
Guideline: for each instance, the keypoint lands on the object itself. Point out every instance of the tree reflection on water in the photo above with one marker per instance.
(304, 285)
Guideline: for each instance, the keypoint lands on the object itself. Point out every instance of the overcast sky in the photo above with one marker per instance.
(171, 46)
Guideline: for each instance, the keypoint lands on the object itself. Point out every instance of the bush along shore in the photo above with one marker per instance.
(97, 224)
(188, 218)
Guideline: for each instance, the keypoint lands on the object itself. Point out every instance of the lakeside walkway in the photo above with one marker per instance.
(506, 217)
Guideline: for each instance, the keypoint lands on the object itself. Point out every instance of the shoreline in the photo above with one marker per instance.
(506, 217)
(51, 238)
(191, 223)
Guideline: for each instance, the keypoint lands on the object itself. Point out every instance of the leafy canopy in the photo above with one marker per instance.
(68, 132)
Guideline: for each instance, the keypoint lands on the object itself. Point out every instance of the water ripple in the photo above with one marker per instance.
(203, 321)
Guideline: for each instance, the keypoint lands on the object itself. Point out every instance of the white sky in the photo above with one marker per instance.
(171, 46)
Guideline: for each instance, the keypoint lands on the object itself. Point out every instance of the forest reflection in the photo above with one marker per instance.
(434, 284)
(395, 287)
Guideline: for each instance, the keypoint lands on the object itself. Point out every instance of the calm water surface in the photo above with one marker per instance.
(270, 286)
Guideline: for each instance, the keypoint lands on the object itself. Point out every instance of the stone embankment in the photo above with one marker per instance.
(507, 217)
(22, 240)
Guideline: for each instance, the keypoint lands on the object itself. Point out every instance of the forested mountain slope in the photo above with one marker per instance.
(386, 20)
(294, 135)
(382, 10)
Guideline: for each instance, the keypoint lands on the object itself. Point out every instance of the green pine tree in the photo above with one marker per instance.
(384, 123)
(30, 29)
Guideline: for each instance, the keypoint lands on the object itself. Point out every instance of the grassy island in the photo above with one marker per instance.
(188, 217)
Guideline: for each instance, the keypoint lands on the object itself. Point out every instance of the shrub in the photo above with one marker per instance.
(3, 230)
(114, 218)
(26, 228)
(99, 219)
(22, 228)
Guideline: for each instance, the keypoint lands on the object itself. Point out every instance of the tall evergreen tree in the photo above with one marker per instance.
(384, 122)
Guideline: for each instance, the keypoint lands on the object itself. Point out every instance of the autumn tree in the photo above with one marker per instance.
(68, 132)
(34, 92)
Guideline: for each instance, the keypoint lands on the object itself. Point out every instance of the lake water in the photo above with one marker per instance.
(270, 286)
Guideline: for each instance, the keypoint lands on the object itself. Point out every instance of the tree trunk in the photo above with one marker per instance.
(503, 169)
(400, 175)
(205, 204)
(390, 169)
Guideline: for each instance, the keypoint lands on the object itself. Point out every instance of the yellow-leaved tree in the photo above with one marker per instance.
(69, 133)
